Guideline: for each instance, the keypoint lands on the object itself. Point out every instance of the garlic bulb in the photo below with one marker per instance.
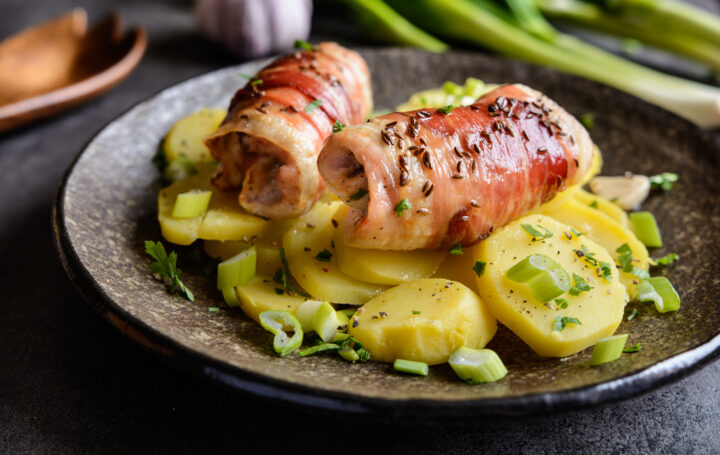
(627, 191)
(254, 28)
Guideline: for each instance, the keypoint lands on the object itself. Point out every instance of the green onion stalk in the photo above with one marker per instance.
(646, 28)
(483, 23)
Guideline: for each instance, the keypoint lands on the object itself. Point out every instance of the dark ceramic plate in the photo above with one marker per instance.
(106, 209)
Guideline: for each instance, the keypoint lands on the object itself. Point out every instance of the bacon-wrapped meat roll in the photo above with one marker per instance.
(429, 178)
(269, 142)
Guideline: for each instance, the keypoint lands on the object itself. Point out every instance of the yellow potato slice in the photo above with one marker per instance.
(311, 234)
(599, 227)
(258, 295)
(186, 135)
(182, 231)
(614, 211)
(383, 266)
(595, 166)
(459, 267)
(557, 201)
(424, 320)
(600, 310)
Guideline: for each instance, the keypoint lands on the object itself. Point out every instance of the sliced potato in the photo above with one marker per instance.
(182, 231)
(459, 267)
(595, 166)
(424, 320)
(312, 234)
(186, 135)
(610, 209)
(383, 266)
(600, 310)
(557, 201)
(603, 230)
(258, 295)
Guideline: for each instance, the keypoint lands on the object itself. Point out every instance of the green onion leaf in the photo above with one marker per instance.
(663, 181)
(312, 106)
(667, 259)
(479, 268)
(401, 206)
(608, 349)
(579, 285)
(535, 234)
(237, 270)
(658, 290)
(456, 249)
(358, 194)
(318, 348)
(634, 348)
(562, 321)
(276, 322)
(477, 365)
(545, 277)
(646, 229)
(337, 127)
(324, 255)
(412, 367)
(303, 45)
(166, 267)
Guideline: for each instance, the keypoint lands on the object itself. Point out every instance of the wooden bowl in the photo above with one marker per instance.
(55, 65)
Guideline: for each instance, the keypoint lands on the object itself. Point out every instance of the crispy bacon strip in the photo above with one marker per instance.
(464, 172)
(269, 142)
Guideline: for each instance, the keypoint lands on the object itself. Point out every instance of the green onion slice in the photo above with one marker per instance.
(348, 312)
(191, 204)
(658, 290)
(545, 277)
(646, 229)
(306, 313)
(348, 353)
(326, 322)
(230, 297)
(412, 367)
(276, 322)
(608, 349)
(477, 365)
(237, 270)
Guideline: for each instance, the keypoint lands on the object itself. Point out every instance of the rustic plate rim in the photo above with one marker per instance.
(238, 379)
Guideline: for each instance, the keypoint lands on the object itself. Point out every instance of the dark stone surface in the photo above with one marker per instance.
(69, 383)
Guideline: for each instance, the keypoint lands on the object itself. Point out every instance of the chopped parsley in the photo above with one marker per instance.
(281, 277)
(312, 106)
(579, 285)
(401, 206)
(337, 127)
(632, 314)
(166, 267)
(593, 204)
(213, 309)
(664, 181)
(562, 303)
(604, 270)
(348, 343)
(667, 259)
(415, 312)
(479, 268)
(562, 321)
(456, 249)
(588, 256)
(625, 259)
(246, 76)
(358, 194)
(304, 45)
(256, 82)
(634, 348)
(446, 109)
(324, 255)
(588, 120)
(537, 235)
(575, 233)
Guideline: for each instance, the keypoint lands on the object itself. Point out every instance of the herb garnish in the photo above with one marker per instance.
(256, 82)
(625, 259)
(456, 249)
(579, 285)
(663, 181)
(304, 45)
(537, 235)
(213, 309)
(479, 268)
(446, 109)
(634, 348)
(562, 321)
(246, 76)
(594, 204)
(562, 303)
(166, 267)
(588, 120)
(605, 271)
(348, 343)
(312, 106)
(415, 312)
(632, 314)
(575, 233)
(667, 259)
(358, 194)
(337, 127)
(401, 206)
(281, 277)
(324, 255)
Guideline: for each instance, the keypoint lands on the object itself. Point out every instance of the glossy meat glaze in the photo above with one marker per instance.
(464, 172)
(269, 142)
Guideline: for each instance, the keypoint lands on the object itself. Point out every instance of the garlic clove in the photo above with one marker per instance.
(627, 191)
